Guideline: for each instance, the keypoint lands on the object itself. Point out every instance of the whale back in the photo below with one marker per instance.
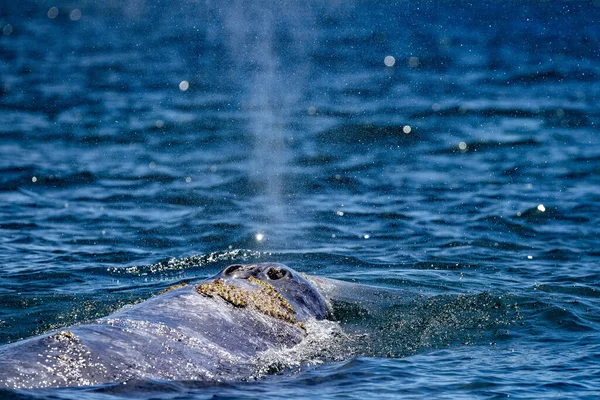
(205, 332)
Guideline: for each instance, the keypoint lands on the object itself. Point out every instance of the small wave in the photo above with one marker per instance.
(482, 146)
(554, 321)
(542, 213)
(576, 290)
(549, 76)
(366, 133)
(500, 223)
(440, 265)
(495, 244)
(195, 261)
(423, 323)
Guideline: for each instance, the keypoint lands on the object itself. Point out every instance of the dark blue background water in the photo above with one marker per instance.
(290, 145)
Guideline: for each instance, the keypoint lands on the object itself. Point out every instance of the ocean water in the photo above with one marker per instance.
(446, 153)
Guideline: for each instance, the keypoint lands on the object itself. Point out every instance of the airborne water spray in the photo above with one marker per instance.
(268, 47)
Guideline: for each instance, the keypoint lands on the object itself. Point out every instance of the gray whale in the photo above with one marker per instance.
(207, 332)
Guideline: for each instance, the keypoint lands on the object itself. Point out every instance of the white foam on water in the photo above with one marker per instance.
(324, 341)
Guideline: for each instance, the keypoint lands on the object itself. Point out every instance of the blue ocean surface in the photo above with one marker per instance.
(447, 151)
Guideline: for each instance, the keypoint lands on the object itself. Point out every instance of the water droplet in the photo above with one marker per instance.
(312, 110)
(184, 85)
(53, 12)
(75, 15)
(7, 30)
(413, 62)
(389, 61)
(34, 179)
(260, 237)
(462, 146)
(188, 179)
(541, 208)
(406, 129)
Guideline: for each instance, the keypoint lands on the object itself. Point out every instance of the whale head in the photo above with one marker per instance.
(272, 288)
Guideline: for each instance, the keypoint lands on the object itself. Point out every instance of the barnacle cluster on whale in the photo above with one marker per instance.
(264, 298)
(173, 287)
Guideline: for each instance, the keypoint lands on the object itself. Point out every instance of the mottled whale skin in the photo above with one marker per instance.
(206, 332)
